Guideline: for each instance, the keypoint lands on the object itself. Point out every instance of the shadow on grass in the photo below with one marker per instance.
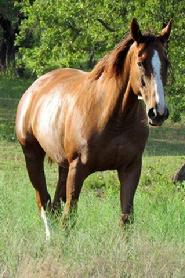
(11, 90)
(166, 141)
(7, 119)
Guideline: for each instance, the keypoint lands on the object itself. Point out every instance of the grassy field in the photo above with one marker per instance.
(154, 246)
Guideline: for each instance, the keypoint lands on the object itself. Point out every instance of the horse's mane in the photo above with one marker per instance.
(112, 63)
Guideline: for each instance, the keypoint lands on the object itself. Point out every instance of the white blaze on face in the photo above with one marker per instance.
(158, 85)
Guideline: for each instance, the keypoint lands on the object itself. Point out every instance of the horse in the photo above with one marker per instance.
(95, 121)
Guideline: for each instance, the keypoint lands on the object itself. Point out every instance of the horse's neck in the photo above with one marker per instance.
(116, 97)
(124, 114)
(126, 110)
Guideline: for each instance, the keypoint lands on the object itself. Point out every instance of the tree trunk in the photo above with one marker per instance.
(7, 48)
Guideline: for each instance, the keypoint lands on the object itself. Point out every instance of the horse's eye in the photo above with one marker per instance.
(142, 82)
(140, 64)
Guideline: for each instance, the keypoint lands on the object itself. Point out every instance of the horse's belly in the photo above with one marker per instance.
(51, 143)
(114, 159)
(53, 149)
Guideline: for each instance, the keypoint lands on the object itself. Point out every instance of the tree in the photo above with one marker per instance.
(9, 21)
(67, 33)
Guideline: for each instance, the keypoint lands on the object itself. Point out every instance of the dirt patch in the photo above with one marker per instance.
(43, 267)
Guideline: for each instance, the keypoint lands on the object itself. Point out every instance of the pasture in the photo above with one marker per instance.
(154, 246)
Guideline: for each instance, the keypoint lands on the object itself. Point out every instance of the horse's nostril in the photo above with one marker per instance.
(152, 113)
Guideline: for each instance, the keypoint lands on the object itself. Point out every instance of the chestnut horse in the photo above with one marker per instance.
(94, 121)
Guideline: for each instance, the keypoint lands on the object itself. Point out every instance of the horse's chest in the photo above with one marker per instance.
(117, 151)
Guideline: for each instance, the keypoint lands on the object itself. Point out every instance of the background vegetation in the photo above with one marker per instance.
(39, 35)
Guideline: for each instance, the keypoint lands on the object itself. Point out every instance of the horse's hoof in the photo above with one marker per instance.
(56, 209)
(48, 205)
(126, 219)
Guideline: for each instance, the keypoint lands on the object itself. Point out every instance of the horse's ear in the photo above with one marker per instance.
(135, 31)
(165, 33)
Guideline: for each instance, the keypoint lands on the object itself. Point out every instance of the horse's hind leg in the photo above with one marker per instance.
(60, 193)
(34, 157)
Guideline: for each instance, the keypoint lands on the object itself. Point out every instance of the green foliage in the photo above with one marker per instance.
(63, 33)
(66, 33)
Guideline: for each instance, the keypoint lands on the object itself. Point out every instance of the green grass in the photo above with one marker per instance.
(154, 246)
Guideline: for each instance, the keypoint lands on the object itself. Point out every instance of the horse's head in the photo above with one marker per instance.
(148, 68)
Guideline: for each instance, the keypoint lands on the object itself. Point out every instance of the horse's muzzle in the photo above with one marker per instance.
(156, 119)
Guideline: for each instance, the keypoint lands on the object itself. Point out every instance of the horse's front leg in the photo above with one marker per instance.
(129, 179)
(76, 175)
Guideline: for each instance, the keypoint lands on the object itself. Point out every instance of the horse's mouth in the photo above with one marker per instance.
(157, 119)
(157, 123)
